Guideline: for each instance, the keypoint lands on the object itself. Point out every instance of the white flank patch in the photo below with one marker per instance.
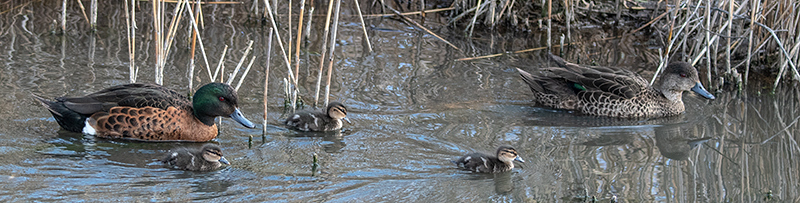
(88, 129)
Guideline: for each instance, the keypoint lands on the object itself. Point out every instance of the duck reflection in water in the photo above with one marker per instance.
(673, 141)
(677, 142)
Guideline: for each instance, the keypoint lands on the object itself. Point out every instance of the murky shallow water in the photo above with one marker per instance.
(413, 109)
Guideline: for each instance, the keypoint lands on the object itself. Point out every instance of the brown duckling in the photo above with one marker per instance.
(208, 158)
(483, 163)
(329, 120)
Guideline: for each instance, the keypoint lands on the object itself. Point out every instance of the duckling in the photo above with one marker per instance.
(208, 158)
(483, 163)
(319, 121)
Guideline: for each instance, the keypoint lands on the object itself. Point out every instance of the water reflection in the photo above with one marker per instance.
(676, 142)
(332, 141)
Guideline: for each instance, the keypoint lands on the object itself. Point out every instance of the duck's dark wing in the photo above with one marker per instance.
(546, 82)
(477, 162)
(133, 95)
(182, 158)
(600, 80)
(308, 121)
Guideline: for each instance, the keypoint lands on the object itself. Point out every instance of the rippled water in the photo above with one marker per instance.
(413, 110)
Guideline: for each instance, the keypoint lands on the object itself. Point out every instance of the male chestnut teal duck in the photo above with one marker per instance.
(483, 163)
(329, 120)
(612, 91)
(208, 158)
(148, 112)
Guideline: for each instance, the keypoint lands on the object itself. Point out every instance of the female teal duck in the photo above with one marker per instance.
(329, 120)
(611, 91)
(208, 158)
(148, 112)
(483, 163)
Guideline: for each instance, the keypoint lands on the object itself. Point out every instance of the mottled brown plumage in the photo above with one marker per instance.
(208, 158)
(611, 91)
(483, 163)
(148, 112)
(329, 120)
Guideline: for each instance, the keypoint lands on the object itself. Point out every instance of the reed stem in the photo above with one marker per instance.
(246, 71)
(280, 45)
(83, 10)
(289, 25)
(333, 51)
(266, 85)
(728, 44)
(241, 61)
(158, 38)
(130, 23)
(297, 49)
(94, 16)
(200, 39)
(549, 25)
(324, 50)
(219, 65)
(64, 15)
(364, 26)
(755, 7)
(191, 59)
(708, 42)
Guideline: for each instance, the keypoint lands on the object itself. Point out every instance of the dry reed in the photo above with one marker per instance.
(266, 84)
(94, 15)
(130, 22)
(333, 49)
(730, 38)
(241, 61)
(64, 15)
(200, 39)
(297, 50)
(364, 26)
(283, 51)
(83, 10)
(246, 71)
(324, 50)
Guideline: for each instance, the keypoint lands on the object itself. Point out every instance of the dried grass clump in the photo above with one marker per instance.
(760, 35)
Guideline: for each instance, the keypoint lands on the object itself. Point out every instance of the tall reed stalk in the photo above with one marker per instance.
(283, 51)
(324, 50)
(200, 39)
(364, 26)
(194, 45)
(94, 15)
(64, 15)
(241, 61)
(266, 84)
(83, 11)
(158, 38)
(130, 22)
(333, 51)
(297, 49)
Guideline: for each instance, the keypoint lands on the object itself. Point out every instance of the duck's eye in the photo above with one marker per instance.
(683, 75)
(221, 98)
